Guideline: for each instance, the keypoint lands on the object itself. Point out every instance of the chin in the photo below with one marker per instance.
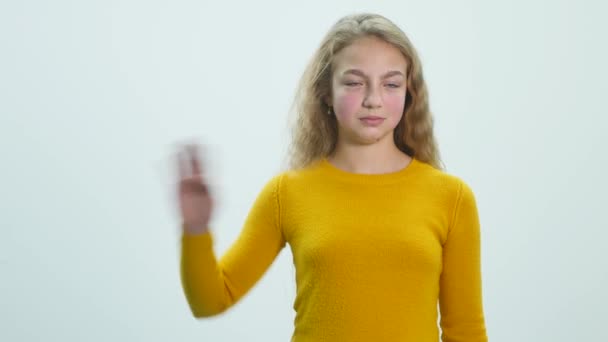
(368, 136)
(371, 139)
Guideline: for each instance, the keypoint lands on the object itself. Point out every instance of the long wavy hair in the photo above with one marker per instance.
(315, 133)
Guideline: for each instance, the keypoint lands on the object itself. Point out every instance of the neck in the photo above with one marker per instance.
(369, 159)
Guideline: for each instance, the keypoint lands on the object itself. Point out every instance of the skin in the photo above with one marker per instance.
(195, 202)
(369, 81)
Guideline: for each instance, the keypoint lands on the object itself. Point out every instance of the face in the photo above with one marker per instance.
(368, 91)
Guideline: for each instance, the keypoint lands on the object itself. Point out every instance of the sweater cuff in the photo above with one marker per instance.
(204, 240)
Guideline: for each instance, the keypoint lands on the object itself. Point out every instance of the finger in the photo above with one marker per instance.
(195, 163)
(182, 164)
(202, 188)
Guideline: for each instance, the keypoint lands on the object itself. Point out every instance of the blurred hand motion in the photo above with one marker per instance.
(195, 201)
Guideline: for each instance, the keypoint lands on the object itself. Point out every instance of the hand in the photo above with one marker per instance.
(194, 199)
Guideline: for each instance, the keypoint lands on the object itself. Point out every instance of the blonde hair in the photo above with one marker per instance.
(315, 133)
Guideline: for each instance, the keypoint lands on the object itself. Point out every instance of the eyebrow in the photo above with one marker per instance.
(360, 73)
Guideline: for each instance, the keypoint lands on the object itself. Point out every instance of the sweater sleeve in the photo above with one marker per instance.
(210, 285)
(460, 297)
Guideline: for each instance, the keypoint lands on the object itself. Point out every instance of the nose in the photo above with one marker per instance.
(372, 98)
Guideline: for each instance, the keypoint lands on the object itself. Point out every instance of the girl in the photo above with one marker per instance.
(380, 234)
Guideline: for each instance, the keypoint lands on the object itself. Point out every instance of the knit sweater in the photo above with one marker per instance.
(378, 257)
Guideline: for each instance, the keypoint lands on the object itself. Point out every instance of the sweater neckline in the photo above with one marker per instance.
(375, 178)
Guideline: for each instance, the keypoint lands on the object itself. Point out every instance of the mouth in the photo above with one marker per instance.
(372, 120)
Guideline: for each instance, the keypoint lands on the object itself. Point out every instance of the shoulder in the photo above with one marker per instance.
(452, 186)
(441, 178)
(280, 179)
(303, 175)
(286, 184)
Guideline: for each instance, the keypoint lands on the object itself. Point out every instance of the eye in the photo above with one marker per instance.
(352, 84)
(393, 85)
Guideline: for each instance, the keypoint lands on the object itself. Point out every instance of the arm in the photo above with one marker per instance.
(460, 297)
(212, 286)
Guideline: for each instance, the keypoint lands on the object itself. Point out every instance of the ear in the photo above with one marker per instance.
(328, 101)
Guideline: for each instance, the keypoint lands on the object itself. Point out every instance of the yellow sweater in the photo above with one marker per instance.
(374, 255)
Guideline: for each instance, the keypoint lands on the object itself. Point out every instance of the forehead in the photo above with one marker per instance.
(371, 55)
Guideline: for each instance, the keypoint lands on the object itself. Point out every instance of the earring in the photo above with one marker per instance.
(329, 111)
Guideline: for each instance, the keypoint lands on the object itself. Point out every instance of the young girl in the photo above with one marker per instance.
(380, 234)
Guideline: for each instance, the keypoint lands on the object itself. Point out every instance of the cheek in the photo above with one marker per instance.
(346, 104)
(394, 104)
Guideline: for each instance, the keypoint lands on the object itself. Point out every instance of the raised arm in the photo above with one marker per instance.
(211, 286)
(460, 297)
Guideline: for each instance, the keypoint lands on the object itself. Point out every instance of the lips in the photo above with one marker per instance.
(372, 120)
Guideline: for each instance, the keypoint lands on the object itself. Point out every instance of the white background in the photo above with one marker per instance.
(94, 95)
